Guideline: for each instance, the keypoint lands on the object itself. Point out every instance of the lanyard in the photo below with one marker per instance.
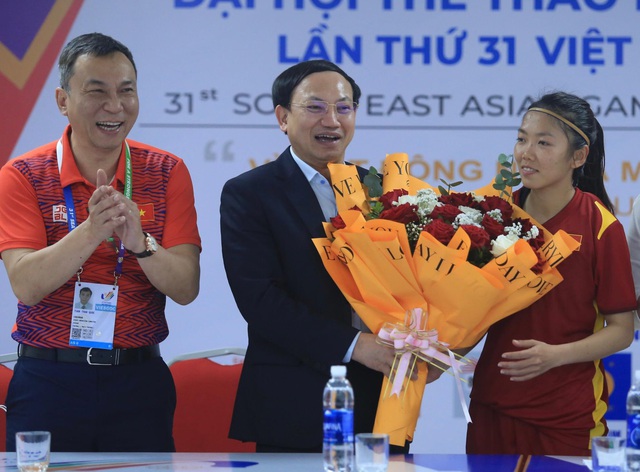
(71, 208)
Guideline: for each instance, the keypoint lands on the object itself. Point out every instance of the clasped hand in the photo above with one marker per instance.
(111, 212)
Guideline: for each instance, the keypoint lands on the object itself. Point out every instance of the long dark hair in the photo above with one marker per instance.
(590, 176)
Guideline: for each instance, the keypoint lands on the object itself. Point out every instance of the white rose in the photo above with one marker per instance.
(402, 199)
(502, 243)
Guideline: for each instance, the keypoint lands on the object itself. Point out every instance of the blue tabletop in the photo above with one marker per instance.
(254, 462)
(489, 463)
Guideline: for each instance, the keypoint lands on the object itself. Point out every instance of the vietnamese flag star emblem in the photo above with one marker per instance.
(146, 212)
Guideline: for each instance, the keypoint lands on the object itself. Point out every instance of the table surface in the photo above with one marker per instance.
(254, 462)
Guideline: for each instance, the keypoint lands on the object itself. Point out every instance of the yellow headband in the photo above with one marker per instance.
(565, 121)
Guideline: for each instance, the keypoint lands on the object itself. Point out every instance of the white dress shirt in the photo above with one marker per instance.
(327, 200)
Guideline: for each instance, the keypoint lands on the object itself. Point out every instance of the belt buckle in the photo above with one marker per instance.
(90, 362)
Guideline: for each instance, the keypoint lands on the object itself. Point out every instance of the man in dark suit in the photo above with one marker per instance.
(299, 324)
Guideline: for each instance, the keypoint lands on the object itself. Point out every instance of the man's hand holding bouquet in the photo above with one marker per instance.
(430, 271)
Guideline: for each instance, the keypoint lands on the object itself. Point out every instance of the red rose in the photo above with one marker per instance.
(525, 222)
(497, 203)
(537, 269)
(440, 230)
(447, 212)
(338, 222)
(538, 241)
(389, 198)
(458, 199)
(492, 226)
(405, 213)
(479, 237)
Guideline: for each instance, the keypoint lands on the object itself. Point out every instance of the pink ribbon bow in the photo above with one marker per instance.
(411, 342)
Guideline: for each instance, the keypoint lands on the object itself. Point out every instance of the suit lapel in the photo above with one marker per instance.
(300, 194)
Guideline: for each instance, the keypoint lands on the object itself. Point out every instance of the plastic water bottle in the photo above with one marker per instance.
(337, 448)
(633, 425)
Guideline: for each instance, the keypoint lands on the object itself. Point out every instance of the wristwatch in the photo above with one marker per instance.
(152, 247)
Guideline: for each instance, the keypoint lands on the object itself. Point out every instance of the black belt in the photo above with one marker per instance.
(91, 356)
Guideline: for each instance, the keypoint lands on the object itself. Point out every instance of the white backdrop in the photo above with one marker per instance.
(445, 81)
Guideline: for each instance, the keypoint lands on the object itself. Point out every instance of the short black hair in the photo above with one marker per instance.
(287, 81)
(93, 44)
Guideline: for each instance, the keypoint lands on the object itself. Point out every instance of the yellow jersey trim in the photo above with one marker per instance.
(607, 218)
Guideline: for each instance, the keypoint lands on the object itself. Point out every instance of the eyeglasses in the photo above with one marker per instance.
(320, 107)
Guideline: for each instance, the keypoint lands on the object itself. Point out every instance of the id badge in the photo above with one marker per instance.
(93, 319)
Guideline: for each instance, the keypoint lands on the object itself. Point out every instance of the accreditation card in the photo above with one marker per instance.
(93, 319)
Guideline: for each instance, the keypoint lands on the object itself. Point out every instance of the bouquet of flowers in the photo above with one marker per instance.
(467, 260)
(489, 221)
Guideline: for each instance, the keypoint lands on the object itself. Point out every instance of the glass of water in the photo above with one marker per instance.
(372, 452)
(607, 454)
(32, 450)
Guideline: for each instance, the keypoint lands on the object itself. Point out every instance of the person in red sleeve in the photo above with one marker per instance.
(96, 211)
(539, 386)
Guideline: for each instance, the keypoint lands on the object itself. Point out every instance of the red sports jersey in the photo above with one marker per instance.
(33, 215)
(597, 280)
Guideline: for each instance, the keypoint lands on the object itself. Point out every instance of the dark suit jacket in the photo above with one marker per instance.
(299, 324)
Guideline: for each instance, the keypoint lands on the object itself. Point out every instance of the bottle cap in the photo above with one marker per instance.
(340, 371)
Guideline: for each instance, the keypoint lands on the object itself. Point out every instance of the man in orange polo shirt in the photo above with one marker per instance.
(96, 210)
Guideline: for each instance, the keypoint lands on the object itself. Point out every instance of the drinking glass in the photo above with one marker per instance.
(32, 450)
(372, 452)
(607, 454)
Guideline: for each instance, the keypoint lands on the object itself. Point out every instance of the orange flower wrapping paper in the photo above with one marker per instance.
(372, 264)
